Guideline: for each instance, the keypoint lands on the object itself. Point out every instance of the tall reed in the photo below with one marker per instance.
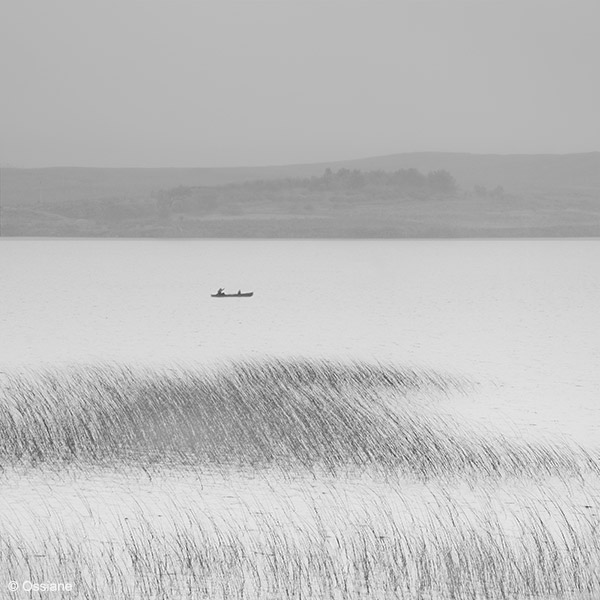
(449, 553)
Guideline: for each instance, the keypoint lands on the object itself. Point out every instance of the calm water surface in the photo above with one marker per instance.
(518, 318)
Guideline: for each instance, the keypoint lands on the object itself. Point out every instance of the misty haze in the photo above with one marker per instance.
(300, 300)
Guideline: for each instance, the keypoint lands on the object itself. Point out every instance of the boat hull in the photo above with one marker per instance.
(244, 295)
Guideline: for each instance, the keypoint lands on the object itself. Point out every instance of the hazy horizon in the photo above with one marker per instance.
(304, 163)
(151, 84)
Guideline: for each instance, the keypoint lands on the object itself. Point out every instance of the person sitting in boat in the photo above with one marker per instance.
(239, 292)
(221, 292)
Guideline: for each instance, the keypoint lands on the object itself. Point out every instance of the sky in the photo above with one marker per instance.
(208, 83)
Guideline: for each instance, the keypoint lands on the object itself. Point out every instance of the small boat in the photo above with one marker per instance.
(238, 295)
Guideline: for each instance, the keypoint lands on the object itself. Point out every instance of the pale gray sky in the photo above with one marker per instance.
(222, 83)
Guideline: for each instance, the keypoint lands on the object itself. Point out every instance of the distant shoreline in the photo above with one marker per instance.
(405, 196)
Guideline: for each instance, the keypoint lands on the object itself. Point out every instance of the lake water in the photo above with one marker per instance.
(518, 318)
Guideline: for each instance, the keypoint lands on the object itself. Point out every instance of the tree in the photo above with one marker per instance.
(497, 193)
(441, 181)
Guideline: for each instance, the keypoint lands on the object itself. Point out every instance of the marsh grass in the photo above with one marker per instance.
(307, 425)
(296, 414)
(371, 551)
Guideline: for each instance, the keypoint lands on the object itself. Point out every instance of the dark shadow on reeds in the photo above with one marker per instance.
(295, 414)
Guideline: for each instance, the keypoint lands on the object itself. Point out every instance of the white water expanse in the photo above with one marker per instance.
(519, 318)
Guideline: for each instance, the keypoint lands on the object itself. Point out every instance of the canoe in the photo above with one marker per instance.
(243, 295)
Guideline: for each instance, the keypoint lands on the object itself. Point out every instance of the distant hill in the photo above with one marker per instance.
(489, 196)
(514, 172)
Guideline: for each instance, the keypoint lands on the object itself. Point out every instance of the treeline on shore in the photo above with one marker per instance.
(403, 179)
(343, 184)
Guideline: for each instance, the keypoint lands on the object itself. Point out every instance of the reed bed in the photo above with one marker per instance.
(290, 415)
(309, 426)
